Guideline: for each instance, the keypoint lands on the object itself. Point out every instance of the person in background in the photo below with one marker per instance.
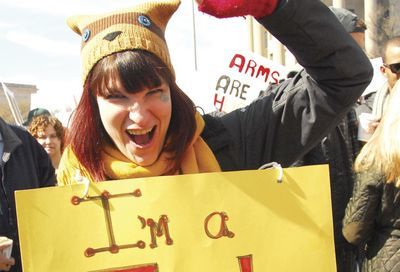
(391, 61)
(372, 219)
(33, 113)
(339, 149)
(50, 133)
(391, 70)
(23, 165)
(373, 105)
(141, 124)
(352, 23)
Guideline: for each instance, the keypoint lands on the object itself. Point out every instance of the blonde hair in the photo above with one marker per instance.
(382, 152)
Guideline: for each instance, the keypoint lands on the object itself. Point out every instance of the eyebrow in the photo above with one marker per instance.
(109, 90)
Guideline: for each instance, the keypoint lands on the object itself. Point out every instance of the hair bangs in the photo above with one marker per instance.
(137, 70)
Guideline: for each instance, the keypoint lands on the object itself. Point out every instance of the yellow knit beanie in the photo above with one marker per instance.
(140, 27)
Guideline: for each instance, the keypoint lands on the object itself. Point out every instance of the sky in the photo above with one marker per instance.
(37, 47)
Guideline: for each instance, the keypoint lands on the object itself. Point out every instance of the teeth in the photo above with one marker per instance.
(138, 131)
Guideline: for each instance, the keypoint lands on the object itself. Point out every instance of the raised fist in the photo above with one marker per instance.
(233, 8)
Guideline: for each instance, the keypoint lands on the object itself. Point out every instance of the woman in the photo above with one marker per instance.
(136, 122)
(372, 219)
(49, 132)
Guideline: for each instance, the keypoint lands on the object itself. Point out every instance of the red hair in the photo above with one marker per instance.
(41, 122)
(137, 69)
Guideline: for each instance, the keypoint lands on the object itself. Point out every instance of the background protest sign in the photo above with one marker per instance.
(236, 79)
(242, 221)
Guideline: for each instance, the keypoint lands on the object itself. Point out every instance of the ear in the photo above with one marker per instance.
(383, 69)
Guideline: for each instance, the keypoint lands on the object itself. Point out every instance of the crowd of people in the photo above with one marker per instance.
(141, 124)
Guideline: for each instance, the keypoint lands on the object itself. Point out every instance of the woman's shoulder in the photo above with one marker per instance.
(70, 171)
(371, 178)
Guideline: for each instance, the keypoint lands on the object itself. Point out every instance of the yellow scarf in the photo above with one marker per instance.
(198, 158)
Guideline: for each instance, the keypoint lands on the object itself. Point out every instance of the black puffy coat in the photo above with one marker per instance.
(372, 221)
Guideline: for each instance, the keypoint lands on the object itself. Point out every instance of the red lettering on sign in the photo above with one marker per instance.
(241, 59)
(223, 229)
(263, 71)
(157, 229)
(219, 101)
(138, 268)
(239, 62)
(275, 76)
(246, 263)
(251, 65)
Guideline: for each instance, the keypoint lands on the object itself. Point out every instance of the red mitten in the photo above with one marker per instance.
(232, 8)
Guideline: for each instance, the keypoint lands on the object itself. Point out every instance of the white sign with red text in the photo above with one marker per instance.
(236, 79)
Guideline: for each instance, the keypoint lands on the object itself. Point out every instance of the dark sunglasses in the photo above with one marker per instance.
(394, 67)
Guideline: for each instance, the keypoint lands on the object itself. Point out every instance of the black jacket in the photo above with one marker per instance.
(286, 123)
(24, 165)
(294, 116)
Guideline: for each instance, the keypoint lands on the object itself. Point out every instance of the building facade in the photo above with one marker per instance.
(380, 16)
(22, 94)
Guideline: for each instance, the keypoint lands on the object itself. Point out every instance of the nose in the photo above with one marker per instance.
(137, 113)
(47, 141)
(111, 36)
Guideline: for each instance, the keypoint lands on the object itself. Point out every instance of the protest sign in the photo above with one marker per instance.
(235, 80)
(245, 221)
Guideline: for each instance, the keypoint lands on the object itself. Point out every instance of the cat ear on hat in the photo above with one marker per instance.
(139, 27)
(161, 16)
(78, 22)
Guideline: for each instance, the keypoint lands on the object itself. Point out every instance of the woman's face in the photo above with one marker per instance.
(49, 140)
(137, 123)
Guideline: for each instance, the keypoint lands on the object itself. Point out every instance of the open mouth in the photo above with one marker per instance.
(141, 137)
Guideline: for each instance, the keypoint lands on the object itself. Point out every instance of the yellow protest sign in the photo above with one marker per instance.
(242, 221)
